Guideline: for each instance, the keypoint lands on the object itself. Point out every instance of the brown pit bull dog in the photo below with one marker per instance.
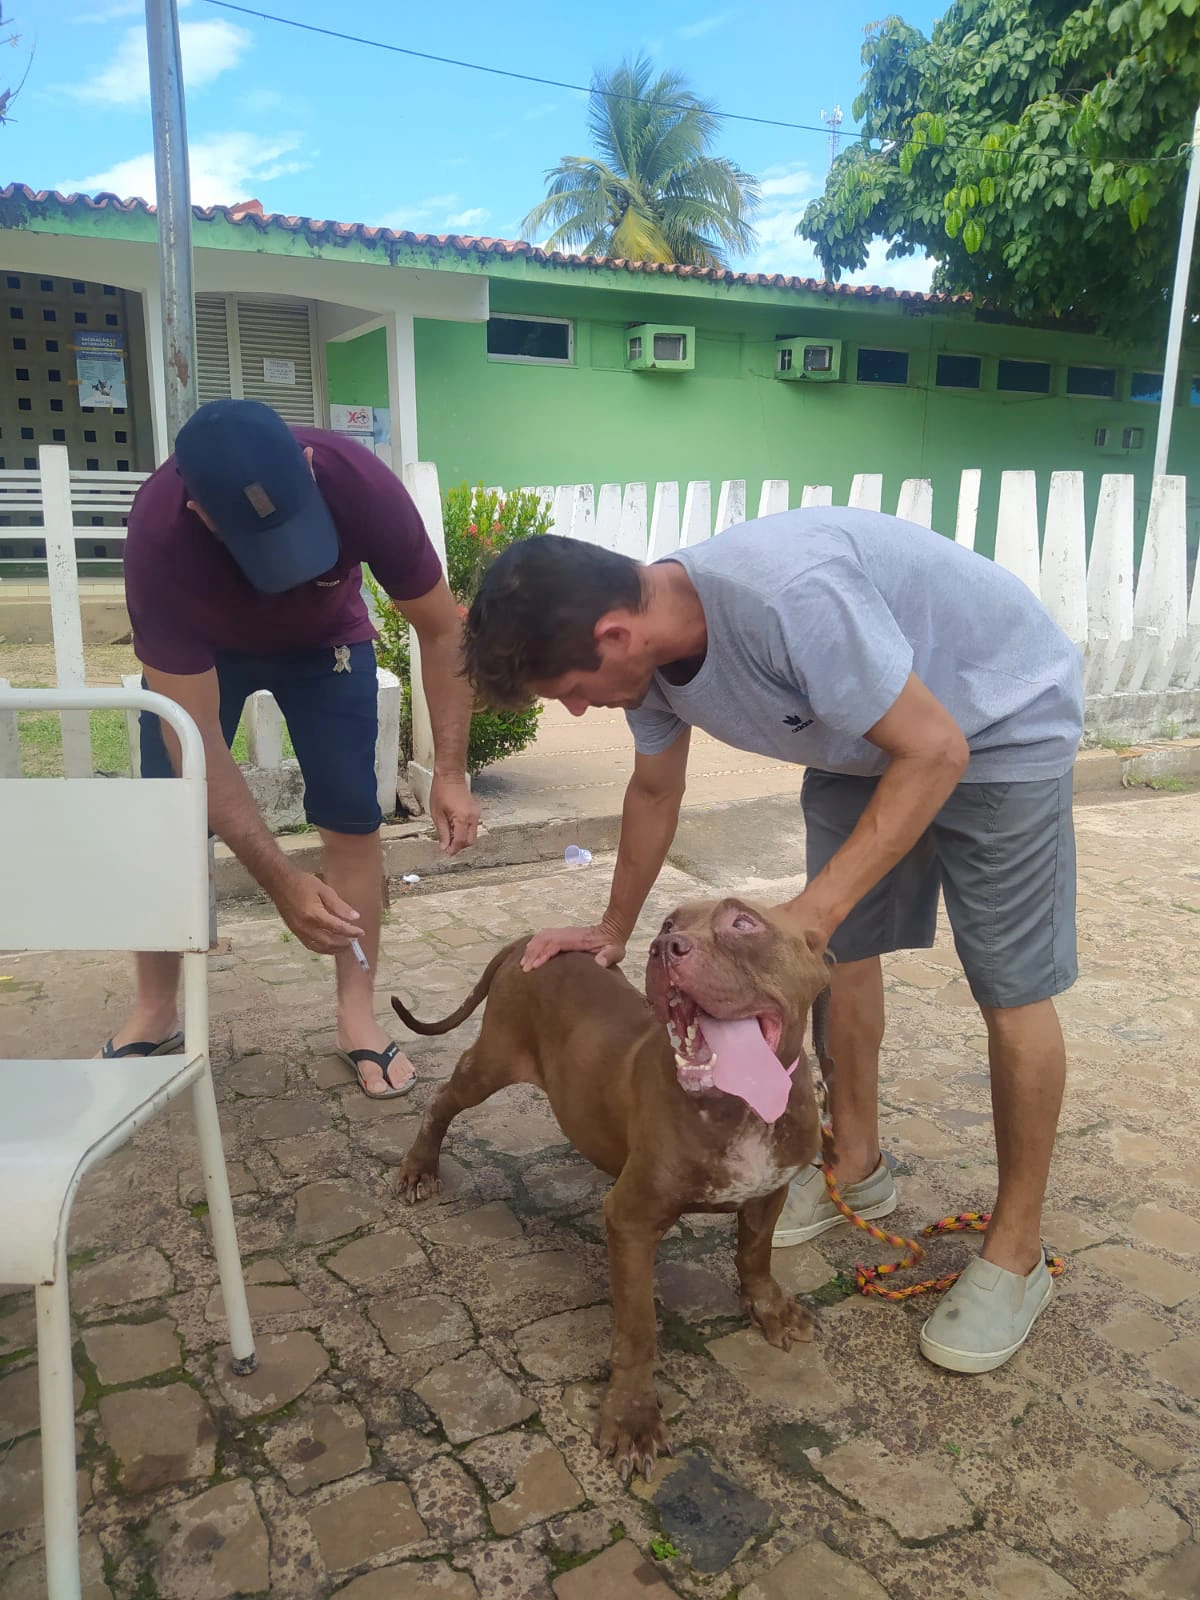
(645, 1094)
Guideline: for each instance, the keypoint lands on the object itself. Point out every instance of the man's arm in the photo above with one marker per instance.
(435, 620)
(315, 914)
(648, 821)
(928, 755)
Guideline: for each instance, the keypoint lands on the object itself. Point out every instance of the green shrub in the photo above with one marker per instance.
(479, 523)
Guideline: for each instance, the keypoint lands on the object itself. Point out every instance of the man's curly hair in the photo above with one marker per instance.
(534, 617)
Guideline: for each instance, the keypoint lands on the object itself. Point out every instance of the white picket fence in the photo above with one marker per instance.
(1139, 634)
(66, 501)
(1137, 637)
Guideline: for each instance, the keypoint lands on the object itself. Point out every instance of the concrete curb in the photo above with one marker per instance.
(410, 847)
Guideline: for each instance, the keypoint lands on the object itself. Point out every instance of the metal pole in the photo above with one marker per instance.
(174, 213)
(1183, 265)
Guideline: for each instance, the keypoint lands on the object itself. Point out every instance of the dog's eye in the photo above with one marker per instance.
(744, 923)
(668, 925)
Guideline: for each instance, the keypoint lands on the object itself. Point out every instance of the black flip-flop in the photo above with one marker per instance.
(143, 1047)
(383, 1059)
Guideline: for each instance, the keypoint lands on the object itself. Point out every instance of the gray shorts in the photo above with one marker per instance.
(1003, 855)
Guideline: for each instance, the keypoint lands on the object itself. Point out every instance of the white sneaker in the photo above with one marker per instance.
(808, 1211)
(986, 1316)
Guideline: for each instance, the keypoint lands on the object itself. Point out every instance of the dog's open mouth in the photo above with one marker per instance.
(696, 1039)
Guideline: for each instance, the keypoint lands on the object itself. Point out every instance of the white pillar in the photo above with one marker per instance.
(731, 503)
(1160, 593)
(608, 516)
(915, 503)
(152, 317)
(264, 730)
(387, 740)
(697, 513)
(631, 536)
(10, 744)
(772, 497)
(968, 507)
(664, 521)
(1018, 546)
(402, 389)
(1064, 557)
(866, 491)
(1110, 584)
(421, 481)
(1183, 268)
(66, 617)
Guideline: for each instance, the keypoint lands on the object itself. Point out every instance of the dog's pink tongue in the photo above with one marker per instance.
(747, 1066)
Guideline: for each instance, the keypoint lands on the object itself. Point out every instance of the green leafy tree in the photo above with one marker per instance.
(1032, 149)
(653, 191)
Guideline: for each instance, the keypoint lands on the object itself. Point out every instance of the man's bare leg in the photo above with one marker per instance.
(1029, 1068)
(856, 1020)
(155, 1014)
(354, 867)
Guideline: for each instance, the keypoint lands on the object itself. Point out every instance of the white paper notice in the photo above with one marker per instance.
(276, 370)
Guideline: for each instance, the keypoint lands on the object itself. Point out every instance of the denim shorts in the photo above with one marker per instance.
(1002, 855)
(331, 715)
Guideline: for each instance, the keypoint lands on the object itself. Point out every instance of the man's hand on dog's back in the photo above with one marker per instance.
(606, 945)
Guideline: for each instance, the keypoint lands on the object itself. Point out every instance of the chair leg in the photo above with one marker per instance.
(56, 1396)
(224, 1232)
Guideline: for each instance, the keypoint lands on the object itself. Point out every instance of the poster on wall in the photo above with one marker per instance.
(100, 370)
(370, 425)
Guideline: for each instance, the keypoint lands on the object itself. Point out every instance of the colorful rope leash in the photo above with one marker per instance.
(866, 1279)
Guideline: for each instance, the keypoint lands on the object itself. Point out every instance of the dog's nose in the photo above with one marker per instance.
(675, 945)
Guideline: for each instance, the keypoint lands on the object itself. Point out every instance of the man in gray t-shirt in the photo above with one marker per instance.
(937, 709)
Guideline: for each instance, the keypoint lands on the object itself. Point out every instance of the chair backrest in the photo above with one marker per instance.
(105, 863)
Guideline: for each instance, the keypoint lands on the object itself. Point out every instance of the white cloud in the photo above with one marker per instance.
(224, 169)
(436, 213)
(906, 272)
(703, 25)
(208, 48)
(471, 218)
(786, 192)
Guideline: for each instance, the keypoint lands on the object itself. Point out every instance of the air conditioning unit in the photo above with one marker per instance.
(660, 347)
(808, 360)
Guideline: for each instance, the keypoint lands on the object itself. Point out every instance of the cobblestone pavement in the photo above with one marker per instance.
(419, 1425)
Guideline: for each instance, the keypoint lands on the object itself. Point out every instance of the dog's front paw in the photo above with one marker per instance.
(782, 1320)
(632, 1432)
(418, 1179)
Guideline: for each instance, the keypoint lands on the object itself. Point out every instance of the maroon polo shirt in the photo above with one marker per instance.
(187, 598)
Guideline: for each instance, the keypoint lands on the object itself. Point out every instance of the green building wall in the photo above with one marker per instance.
(510, 423)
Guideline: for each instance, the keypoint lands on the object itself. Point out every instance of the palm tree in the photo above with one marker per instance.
(653, 192)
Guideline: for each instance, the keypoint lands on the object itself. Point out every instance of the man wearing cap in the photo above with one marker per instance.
(242, 572)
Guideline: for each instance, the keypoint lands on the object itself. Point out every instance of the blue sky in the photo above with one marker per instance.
(330, 129)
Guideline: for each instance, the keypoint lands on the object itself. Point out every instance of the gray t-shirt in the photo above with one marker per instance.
(815, 620)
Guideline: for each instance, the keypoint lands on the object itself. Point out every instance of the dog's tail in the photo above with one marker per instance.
(447, 1024)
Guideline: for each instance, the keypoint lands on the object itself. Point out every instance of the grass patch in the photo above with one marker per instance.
(1168, 785)
(1107, 741)
(40, 740)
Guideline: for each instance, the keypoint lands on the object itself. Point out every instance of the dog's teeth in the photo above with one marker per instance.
(680, 1061)
(672, 1034)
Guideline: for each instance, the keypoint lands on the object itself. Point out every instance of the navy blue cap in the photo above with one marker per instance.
(242, 464)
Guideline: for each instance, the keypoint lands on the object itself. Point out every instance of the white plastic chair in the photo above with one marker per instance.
(98, 864)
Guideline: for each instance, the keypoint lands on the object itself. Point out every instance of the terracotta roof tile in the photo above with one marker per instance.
(249, 214)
